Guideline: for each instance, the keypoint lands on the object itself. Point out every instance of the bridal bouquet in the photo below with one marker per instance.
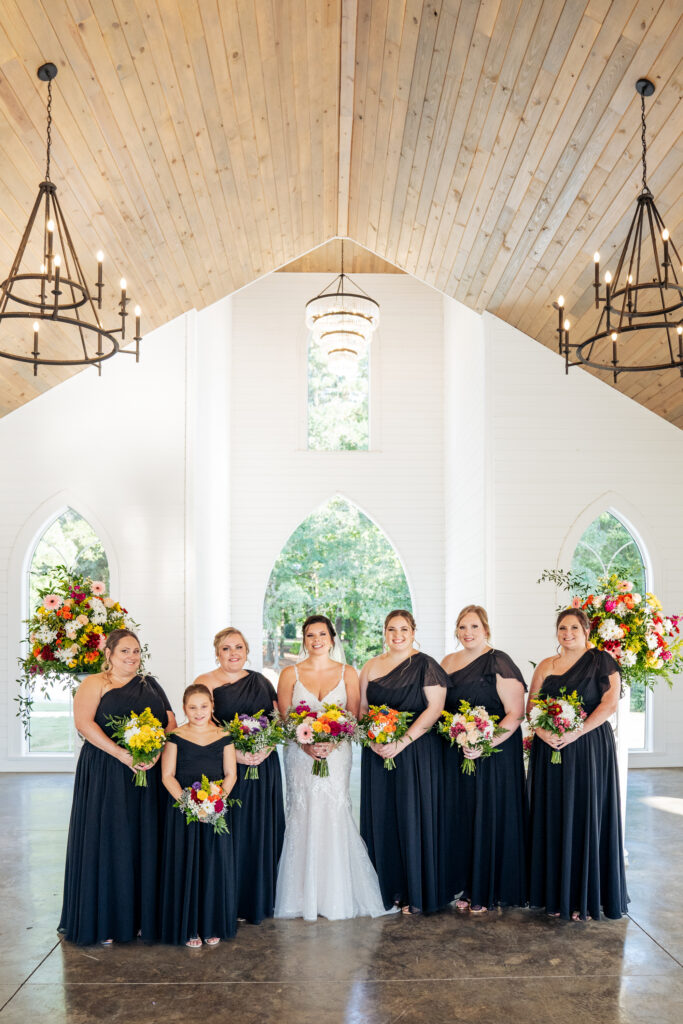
(558, 715)
(331, 725)
(472, 729)
(382, 725)
(253, 733)
(205, 802)
(141, 735)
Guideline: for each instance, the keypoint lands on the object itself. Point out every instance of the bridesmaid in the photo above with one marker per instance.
(485, 813)
(110, 881)
(575, 839)
(259, 827)
(400, 809)
(197, 866)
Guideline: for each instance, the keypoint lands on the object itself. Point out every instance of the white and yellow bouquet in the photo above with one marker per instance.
(142, 735)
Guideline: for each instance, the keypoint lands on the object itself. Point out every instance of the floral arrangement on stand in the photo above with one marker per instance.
(646, 644)
(66, 635)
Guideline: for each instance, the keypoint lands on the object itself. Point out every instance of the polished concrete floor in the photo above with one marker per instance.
(518, 967)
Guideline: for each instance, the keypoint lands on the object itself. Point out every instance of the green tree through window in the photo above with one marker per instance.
(606, 546)
(338, 407)
(69, 541)
(337, 563)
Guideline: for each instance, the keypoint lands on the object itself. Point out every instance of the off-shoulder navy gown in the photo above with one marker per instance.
(259, 827)
(400, 812)
(576, 847)
(199, 898)
(112, 857)
(485, 813)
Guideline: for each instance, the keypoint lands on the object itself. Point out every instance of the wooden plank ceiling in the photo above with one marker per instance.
(486, 146)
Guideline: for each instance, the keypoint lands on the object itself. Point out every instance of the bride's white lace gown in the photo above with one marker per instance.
(324, 868)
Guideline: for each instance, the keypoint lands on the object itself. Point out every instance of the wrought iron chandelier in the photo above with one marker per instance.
(58, 292)
(342, 319)
(642, 303)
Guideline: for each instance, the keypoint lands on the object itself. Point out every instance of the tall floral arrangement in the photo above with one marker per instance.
(646, 643)
(66, 635)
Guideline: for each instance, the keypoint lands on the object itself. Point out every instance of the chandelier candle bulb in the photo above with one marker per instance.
(50, 242)
(665, 264)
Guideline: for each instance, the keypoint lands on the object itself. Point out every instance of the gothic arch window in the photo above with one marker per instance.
(71, 541)
(341, 564)
(607, 546)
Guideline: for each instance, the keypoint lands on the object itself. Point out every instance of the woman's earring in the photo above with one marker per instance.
(416, 643)
(107, 666)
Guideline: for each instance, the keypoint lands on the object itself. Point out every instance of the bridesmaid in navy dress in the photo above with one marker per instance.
(400, 814)
(259, 827)
(485, 813)
(197, 865)
(111, 876)
(576, 849)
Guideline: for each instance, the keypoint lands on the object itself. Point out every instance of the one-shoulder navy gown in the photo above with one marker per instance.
(485, 812)
(112, 856)
(576, 846)
(400, 811)
(259, 827)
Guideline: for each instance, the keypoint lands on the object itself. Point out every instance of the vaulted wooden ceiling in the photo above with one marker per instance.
(486, 146)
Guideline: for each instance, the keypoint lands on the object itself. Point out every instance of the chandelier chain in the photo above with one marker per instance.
(49, 129)
(644, 141)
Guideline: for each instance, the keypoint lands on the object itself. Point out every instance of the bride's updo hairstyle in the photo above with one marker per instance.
(312, 620)
(474, 609)
(400, 613)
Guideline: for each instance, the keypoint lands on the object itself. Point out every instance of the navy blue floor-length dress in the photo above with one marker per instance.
(112, 857)
(576, 850)
(259, 827)
(485, 812)
(400, 812)
(199, 898)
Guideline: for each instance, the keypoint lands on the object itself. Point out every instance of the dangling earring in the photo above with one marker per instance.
(416, 643)
(107, 666)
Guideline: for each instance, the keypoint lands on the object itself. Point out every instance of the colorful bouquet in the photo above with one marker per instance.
(141, 735)
(331, 725)
(558, 715)
(205, 802)
(645, 643)
(382, 725)
(66, 634)
(472, 729)
(253, 733)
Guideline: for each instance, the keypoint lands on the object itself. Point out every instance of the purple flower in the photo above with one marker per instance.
(196, 786)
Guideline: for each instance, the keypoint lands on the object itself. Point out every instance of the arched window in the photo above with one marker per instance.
(69, 540)
(338, 403)
(606, 546)
(338, 563)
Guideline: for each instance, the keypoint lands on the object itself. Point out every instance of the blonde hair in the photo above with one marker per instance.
(474, 609)
(224, 634)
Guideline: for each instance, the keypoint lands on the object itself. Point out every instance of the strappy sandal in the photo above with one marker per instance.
(213, 941)
(194, 943)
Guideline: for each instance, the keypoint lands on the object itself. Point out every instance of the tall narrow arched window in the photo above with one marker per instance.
(69, 540)
(338, 403)
(340, 564)
(607, 546)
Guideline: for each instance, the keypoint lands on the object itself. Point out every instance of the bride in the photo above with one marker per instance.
(324, 869)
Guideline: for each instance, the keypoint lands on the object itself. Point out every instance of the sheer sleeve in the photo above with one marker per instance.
(605, 667)
(505, 667)
(434, 675)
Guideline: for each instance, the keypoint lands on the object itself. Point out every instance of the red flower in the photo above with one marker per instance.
(46, 653)
(218, 806)
(554, 710)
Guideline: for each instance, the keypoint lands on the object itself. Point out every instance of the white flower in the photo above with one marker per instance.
(131, 730)
(71, 630)
(534, 716)
(609, 630)
(46, 635)
(637, 598)
(629, 658)
(98, 611)
(67, 653)
(668, 626)
(621, 609)
(651, 641)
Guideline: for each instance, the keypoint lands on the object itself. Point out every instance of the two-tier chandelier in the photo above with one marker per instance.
(342, 319)
(640, 326)
(57, 292)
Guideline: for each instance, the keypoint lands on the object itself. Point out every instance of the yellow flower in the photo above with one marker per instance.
(202, 794)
